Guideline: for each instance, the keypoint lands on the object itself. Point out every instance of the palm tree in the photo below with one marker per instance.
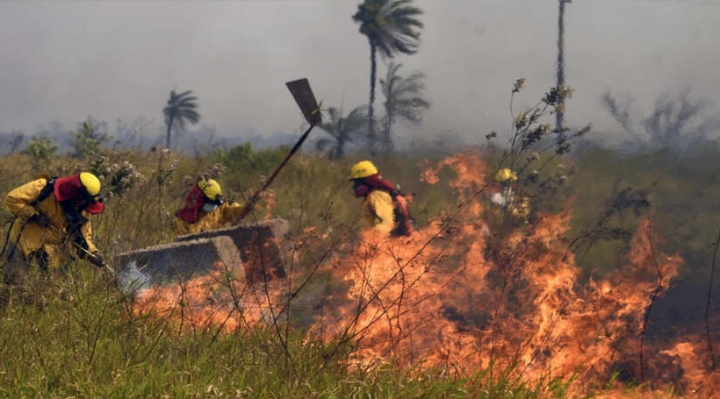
(342, 130)
(560, 113)
(391, 27)
(180, 109)
(403, 99)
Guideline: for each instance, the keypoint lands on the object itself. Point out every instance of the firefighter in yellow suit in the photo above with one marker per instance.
(52, 226)
(386, 214)
(206, 209)
(518, 207)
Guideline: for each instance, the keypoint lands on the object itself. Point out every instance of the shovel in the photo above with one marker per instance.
(305, 99)
(198, 254)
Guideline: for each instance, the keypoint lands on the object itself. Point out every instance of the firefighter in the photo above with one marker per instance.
(52, 226)
(502, 194)
(206, 209)
(385, 207)
(518, 208)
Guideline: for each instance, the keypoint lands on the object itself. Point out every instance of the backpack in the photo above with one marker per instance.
(74, 220)
(46, 191)
(404, 222)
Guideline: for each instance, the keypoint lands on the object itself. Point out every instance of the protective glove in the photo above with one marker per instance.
(42, 219)
(96, 259)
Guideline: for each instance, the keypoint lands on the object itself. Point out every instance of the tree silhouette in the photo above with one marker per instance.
(560, 112)
(342, 130)
(180, 110)
(391, 27)
(675, 120)
(403, 99)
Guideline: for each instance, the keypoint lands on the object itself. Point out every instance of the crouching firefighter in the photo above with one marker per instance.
(386, 208)
(52, 226)
(206, 209)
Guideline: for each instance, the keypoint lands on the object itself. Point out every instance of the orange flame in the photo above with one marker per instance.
(270, 203)
(463, 295)
(220, 299)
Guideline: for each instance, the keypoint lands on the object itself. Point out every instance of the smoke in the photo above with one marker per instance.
(131, 280)
(676, 121)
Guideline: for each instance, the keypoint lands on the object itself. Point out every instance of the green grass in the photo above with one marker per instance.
(76, 337)
(75, 334)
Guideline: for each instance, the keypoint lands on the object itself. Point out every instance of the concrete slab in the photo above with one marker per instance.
(262, 246)
(178, 261)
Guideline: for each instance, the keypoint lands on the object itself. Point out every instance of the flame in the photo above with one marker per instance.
(270, 203)
(461, 297)
(464, 295)
(219, 299)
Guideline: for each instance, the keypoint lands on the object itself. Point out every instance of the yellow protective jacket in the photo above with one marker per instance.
(379, 211)
(29, 237)
(225, 215)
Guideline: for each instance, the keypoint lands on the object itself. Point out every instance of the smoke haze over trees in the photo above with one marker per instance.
(82, 59)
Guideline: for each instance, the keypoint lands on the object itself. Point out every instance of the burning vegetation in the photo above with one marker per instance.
(475, 291)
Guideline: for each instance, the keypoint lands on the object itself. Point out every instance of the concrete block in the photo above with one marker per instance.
(178, 261)
(262, 246)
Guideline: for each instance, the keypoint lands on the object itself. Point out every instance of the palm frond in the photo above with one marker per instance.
(183, 94)
(180, 110)
(390, 25)
(403, 97)
(341, 129)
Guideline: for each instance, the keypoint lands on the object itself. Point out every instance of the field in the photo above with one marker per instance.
(601, 290)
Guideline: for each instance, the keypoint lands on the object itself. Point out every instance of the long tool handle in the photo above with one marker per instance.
(256, 195)
(79, 247)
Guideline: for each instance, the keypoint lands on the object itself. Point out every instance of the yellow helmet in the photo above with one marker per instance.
(90, 182)
(210, 188)
(363, 169)
(505, 174)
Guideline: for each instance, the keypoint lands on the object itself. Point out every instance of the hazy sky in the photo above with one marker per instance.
(67, 60)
